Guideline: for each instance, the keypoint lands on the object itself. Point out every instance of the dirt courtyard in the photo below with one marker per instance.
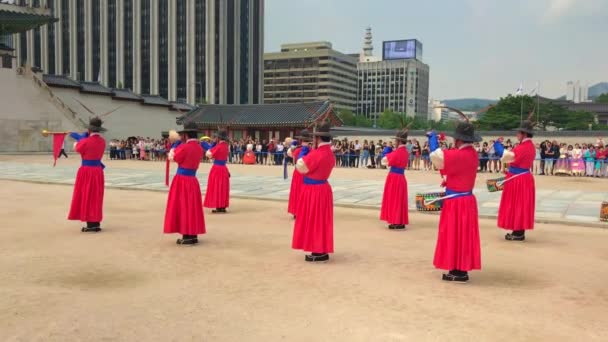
(245, 283)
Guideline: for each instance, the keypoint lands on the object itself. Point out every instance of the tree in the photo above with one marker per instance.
(602, 98)
(390, 120)
(347, 117)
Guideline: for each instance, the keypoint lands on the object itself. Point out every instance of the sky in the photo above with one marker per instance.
(475, 48)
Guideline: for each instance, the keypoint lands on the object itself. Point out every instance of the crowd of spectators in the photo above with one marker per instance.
(552, 158)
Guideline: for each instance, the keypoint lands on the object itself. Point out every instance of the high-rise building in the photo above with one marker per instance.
(310, 72)
(182, 50)
(399, 82)
(576, 92)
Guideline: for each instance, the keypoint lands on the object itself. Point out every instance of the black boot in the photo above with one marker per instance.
(317, 257)
(187, 240)
(92, 227)
(396, 226)
(516, 235)
(456, 276)
(219, 210)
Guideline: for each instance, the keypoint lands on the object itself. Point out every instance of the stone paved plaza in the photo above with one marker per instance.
(580, 207)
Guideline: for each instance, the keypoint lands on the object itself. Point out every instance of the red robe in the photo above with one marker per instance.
(394, 208)
(218, 183)
(518, 199)
(184, 213)
(458, 246)
(296, 184)
(87, 199)
(314, 225)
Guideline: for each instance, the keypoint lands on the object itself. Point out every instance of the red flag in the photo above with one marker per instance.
(58, 139)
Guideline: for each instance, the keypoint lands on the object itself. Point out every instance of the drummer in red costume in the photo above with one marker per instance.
(184, 213)
(314, 225)
(516, 211)
(217, 195)
(458, 248)
(297, 178)
(87, 199)
(394, 208)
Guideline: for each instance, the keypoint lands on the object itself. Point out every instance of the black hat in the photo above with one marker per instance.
(323, 130)
(465, 131)
(304, 135)
(189, 127)
(527, 126)
(222, 134)
(402, 135)
(95, 125)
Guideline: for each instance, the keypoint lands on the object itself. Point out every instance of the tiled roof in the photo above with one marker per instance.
(263, 115)
(182, 106)
(94, 88)
(125, 94)
(60, 81)
(14, 18)
(155, 100)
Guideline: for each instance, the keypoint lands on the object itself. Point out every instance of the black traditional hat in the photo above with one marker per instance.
(222, 134)
(402, 134)
(95, 125)
(304, 135)
(323, 130)
(189, 127)
(465, 130)
(527, 126)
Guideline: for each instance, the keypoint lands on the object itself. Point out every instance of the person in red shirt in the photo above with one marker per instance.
(184, 212)
(297, 179)
(394, 208)
(217, 195)
(458, 247)
(314, 225)
(87, 199)
(518, 199)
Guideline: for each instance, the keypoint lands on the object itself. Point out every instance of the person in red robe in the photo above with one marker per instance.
(184, 212)
(314, 224)
(518, 200)
(87, 199)
(394, 208)
(217, 195)
(297, 179)
(458, 247)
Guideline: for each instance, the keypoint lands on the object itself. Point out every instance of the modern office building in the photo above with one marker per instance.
(576, 92)
(310, 72)
(398, 82)
(182, 50)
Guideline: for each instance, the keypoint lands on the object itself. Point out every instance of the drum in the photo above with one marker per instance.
(604, 212)
(429, 196)
(493, 186)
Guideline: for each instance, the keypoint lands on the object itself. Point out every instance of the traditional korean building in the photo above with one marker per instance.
(263, 121)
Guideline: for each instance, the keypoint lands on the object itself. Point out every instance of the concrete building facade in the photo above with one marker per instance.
(310, 72)
(397, 85)
(182, 50)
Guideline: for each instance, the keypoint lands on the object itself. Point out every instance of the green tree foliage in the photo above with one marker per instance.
(602, 98)
(507, 113)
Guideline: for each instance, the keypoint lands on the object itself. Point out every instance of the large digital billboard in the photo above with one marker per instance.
(402, 49)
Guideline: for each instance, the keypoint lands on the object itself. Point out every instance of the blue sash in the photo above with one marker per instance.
(397, 170)
(455, 194)
(186, 172)
(93, 163)
(310, 181)
(517, 170)
(219, 162)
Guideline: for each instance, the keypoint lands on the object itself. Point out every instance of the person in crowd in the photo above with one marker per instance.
(562, 166)
(483, 157)
(372, 154)
(416, 152)
(357, 148)
(365, 154)
(577, 164)
(600, 158)
(549, 158)
(590, 161)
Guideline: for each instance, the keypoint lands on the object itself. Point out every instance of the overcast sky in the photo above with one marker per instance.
(475, 48)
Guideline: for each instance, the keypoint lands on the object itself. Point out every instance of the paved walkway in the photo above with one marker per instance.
(552, 205)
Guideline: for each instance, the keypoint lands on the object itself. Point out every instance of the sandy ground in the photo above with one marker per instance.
(245, 283)
(427, 177)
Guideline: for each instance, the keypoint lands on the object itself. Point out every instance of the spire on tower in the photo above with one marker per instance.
(368, 47)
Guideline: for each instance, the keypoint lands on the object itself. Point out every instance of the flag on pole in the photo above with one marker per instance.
(58, 139)
(520, 90)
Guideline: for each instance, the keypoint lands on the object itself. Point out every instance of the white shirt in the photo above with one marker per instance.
(280, 147)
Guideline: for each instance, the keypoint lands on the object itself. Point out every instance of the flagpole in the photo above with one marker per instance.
(538, 103)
